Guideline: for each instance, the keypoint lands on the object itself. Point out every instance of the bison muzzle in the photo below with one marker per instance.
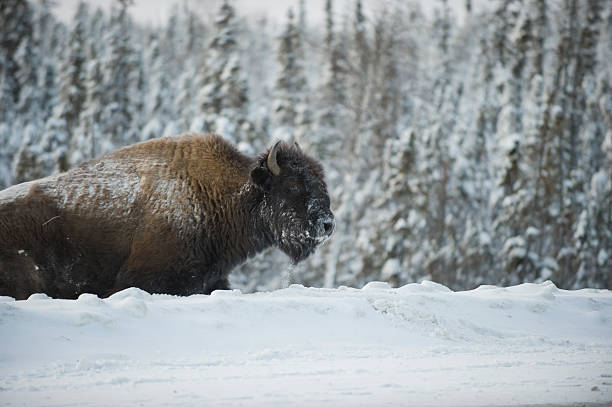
(172, 215)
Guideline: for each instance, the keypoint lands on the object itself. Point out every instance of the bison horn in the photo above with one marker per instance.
(295, 143)
(271, 162)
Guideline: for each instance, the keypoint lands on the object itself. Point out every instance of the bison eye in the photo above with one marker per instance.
(294, 189)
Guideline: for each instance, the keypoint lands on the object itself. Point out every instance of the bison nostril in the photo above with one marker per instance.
(329, 227)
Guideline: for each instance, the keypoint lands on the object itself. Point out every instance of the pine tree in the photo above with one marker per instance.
(49, 91)
(195, 33)
(72, 89)
(472, 186)
(377, 212)
(224, 96)
(138, 93)
(592, 118)
(28, 60)
(160, 109)
(172, 42)
(399, 212)
(120, 67)
(326, 141)
(72, 75)
(290, 83)
(513, 138)
(185, 92)
(15, 28)
(89, 140)
(46, 39)
(359, 57)
(18, 84)
(27, 165)
(384, 99)
(301, 27)
(438, 245)
(549, 159)
(504, 21)
(332, 115)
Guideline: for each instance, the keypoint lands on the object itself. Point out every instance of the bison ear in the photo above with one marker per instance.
(262, 178)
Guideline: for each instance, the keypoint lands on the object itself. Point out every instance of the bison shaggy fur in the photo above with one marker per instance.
(171, 215)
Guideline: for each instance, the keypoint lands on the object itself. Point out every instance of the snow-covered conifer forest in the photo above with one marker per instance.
(465, 150)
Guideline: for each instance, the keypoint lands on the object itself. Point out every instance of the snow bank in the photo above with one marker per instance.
(420, 345)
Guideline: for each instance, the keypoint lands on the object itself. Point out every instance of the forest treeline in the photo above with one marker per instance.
(466, 151)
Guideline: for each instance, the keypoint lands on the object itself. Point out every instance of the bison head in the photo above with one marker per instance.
(295, 203)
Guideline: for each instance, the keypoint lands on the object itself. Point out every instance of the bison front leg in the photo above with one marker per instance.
(178, 279)
(221, 284)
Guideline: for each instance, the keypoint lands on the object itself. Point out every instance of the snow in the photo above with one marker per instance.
(15, 192)
(420, 344)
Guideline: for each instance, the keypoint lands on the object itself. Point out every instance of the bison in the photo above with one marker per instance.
(172, 215)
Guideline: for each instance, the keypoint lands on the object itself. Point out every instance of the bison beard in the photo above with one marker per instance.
(172, 215)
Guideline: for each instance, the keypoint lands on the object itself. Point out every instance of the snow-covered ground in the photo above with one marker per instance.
(417, 345)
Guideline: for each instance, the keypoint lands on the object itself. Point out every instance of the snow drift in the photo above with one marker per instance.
(420, 344)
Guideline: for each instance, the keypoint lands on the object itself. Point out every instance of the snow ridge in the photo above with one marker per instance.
(420, 344)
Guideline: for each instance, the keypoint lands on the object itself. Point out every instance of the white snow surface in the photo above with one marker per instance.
(418, 345)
